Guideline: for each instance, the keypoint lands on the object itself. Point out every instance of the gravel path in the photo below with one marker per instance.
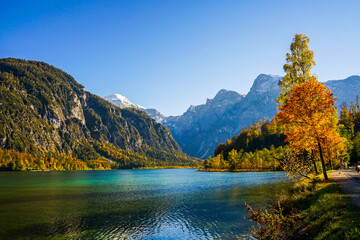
(349, 180)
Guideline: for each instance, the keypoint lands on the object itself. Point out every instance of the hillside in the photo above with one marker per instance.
(44, 110)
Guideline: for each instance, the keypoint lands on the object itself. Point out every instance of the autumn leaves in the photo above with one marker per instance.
(308, 114)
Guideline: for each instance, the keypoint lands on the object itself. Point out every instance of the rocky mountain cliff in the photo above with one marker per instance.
(345, 90)
(123, 102)
(201, 128)
(43, 109)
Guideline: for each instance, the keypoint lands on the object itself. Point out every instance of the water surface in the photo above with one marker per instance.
(132, 204)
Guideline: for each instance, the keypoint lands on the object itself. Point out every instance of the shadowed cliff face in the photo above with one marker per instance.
(201, 128)
(45, 109)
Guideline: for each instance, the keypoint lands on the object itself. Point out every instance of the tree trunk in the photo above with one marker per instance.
(322, 161)
(313, 160)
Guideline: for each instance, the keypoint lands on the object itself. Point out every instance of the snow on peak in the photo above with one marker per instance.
(122, 101)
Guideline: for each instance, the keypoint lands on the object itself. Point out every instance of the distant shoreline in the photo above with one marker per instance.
(237, 170)
(141, 168)
(168, 167)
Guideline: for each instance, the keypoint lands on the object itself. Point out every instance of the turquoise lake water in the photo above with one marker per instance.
(132, 204)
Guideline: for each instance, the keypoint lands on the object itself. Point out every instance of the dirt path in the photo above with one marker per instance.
(349, 179)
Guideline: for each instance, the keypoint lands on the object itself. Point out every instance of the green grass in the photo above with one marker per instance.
(330, 214)
(324, 210)
(311, 210)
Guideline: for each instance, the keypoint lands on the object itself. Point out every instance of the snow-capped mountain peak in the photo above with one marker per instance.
(124, 102)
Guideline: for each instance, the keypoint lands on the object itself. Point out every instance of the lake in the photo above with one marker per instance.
(132, 204)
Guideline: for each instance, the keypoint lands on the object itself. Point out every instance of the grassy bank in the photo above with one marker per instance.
(309, 210)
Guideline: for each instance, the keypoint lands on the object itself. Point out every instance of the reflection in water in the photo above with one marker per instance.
(132, 204)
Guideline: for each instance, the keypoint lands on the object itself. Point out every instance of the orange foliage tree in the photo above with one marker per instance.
(310, 120)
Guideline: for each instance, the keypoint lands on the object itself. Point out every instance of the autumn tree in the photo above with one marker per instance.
(310, 120)
(233, 158)
(298, 66)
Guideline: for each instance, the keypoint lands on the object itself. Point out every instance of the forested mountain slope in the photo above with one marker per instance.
(43, 109)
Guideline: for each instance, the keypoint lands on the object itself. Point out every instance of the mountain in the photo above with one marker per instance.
(345, 90)
(44, 109)
(123, 102)
(201, 128)
(154, 114)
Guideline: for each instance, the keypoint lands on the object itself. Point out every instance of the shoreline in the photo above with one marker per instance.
(237, 170)
(141, 168)
(168, 167)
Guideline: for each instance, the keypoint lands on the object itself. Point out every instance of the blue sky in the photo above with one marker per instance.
(169, 54)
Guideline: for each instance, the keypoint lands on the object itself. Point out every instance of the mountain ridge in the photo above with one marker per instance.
(202, 127)
(201, 138)
(43, 109)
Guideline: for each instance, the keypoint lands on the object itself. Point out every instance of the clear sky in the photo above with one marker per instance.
(171, 54)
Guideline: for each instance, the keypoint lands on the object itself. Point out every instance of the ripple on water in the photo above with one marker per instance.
(131, 204)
